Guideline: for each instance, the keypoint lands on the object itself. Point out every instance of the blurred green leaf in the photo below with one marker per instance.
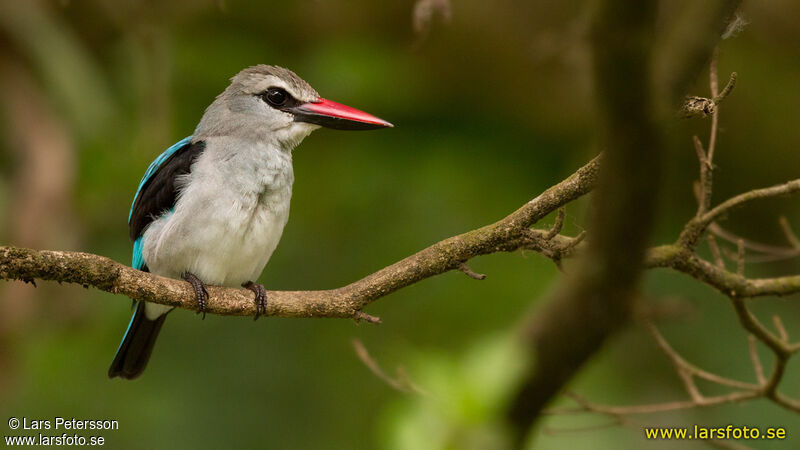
(463, 397)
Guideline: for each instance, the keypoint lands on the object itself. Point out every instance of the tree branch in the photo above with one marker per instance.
(110, 276)
(598, 299)
(728, 283)
(736, 286)
(698, 225)
(508, 234)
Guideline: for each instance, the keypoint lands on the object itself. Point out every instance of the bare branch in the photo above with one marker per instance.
(360, 315)
(706, 172)
(729, 205)
(550, 245)
(768, 252)
(726, 91)
(110, 276)
(681, 365)
(751, 324)
(715, 253)
(470, 273)
(759, 369)
(557, 225)
(714, 84)
(681, 256)
(776, 319)
(740, 258)
(791, 238)
(587, 406)
(694, 229)
(401, 383)
(507, 234)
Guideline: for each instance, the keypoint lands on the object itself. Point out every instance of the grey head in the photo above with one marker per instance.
(273, 104)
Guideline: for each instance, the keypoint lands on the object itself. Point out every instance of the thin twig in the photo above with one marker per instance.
(706, 177)
(740, 258)
(715, 253)
(776, 319)
(751, 324)
(557, 225)
(683, 365)
(791, 238)
(759, 369)
(790, 187)
(726, 91)
(694, 229)
(586, 406)
(400, 384)
(362, 316)
(768, 251)
(713, 81)
(470, 273)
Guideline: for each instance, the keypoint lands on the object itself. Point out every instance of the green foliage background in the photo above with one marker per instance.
(489, 110)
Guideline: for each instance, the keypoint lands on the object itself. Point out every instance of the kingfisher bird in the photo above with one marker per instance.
(211, 208)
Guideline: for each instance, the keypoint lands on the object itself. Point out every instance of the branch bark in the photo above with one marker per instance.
(105, 274)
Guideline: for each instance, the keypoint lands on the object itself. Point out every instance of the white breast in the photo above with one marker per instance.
(229, 216)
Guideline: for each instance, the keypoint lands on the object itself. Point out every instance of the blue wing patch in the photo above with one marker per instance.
(138, 258)
(154, 167)
(138, 261)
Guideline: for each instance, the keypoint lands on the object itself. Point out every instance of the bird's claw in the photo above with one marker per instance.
(200, 292)
(261, 297)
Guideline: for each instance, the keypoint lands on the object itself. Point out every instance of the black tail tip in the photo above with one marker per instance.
(137, 345)
(116, 372)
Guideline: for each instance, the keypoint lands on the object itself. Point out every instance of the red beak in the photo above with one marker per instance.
(330, 114)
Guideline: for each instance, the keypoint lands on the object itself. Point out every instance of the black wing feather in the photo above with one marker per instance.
(159, 192)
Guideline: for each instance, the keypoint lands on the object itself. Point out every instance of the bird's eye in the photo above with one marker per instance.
(275, 96)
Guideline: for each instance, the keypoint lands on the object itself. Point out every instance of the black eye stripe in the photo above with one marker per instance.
(278, 98)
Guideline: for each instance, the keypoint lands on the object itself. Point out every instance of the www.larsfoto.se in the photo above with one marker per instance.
(727, 432)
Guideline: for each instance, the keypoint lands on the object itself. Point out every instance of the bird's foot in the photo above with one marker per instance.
(261, 297)
(200, 292)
